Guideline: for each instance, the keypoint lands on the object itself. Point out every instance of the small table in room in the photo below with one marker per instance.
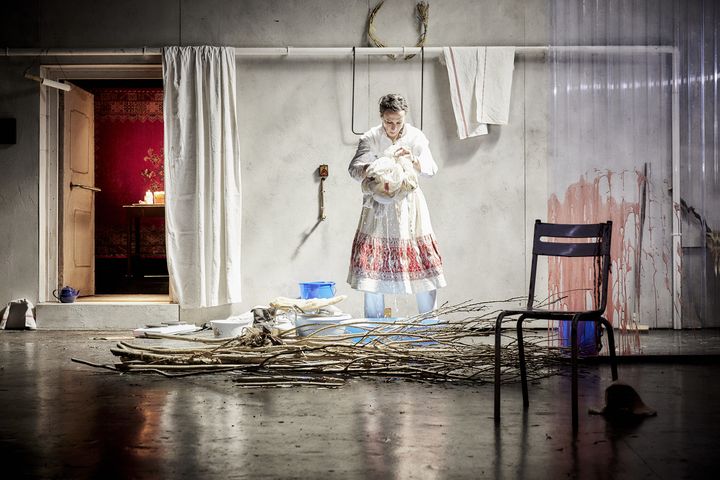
(134, 213)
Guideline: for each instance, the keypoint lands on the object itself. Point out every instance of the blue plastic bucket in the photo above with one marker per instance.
(317, 290)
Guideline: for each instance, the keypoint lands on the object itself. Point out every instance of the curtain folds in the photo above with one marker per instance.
(202, 175)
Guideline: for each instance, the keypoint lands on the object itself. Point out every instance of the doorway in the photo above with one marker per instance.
(129, 208)
(124, 265)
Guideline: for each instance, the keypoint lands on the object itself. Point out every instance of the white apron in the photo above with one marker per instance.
(394, 250)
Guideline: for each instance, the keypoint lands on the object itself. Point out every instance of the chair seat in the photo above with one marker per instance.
(552, 314)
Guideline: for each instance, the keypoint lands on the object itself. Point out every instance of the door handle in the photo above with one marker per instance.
(85, 187)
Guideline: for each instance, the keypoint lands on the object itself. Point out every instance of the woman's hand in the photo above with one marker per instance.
(415, 163)
(413, 159)
(401, 151)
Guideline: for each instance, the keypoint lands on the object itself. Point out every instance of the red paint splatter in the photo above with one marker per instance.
(593, 202)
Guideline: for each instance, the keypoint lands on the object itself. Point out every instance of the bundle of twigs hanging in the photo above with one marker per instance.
(422, 10)
(454, 350)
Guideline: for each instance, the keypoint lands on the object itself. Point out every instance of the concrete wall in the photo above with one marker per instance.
(19, 191)
(296, 114)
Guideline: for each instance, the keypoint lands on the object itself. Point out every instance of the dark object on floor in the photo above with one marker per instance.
(588, 240)
(621, 400)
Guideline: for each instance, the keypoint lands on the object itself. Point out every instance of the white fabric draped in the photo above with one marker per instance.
(203, 201)
(480, 86)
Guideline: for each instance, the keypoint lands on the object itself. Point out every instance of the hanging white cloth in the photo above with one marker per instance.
(480, 84)
(202, 175)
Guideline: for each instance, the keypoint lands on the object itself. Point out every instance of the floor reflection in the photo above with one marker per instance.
(79, 420)
(64, 420)
(395, 428)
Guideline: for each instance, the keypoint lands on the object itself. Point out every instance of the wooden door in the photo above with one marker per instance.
(77, 249)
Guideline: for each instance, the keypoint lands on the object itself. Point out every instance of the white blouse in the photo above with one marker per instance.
(375, 141)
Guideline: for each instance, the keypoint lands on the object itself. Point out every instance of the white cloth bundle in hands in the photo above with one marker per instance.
(391, 177)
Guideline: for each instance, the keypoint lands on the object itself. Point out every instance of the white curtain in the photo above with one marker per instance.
(202, 175)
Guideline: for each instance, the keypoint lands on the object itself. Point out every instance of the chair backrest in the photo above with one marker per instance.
(593, 240)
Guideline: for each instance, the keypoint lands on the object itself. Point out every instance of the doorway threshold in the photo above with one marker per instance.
(107, 312)
(126, 298)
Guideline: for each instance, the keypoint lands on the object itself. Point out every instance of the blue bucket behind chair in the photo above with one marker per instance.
(587, 337)
(317, 290)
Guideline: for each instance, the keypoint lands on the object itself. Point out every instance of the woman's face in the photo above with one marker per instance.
(393, 123)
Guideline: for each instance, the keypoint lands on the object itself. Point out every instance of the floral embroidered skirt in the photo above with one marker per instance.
(395, 250)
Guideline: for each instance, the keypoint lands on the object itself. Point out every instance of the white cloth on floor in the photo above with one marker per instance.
(480, 85)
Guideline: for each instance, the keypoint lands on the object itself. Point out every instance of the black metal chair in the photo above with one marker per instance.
(587, 240)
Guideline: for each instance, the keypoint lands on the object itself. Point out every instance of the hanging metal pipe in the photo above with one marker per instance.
(318, 51)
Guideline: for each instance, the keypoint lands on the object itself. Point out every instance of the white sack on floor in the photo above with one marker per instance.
(480, 84)
(18, 315)
(202, 175)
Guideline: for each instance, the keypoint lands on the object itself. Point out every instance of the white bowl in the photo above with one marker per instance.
(307, 324)
(230, 327)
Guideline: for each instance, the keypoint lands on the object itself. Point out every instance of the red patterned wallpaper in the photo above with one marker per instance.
(128, 162)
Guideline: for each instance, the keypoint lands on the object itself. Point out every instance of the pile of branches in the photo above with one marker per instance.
(457, 347)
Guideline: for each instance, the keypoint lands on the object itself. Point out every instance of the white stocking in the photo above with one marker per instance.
(374, 305)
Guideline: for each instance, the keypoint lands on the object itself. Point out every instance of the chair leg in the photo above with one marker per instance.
(611, 347)
(521, 359)
(498, 326)
(574, 366)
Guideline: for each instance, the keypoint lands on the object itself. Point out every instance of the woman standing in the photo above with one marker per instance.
(394, 250)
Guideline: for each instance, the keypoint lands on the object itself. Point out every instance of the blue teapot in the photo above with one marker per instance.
(67, 294)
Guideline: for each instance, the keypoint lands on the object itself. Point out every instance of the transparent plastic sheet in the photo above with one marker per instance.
(611, 155)
(697, 41)
(611, 150)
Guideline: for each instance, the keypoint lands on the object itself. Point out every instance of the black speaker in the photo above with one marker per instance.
(8, 131)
